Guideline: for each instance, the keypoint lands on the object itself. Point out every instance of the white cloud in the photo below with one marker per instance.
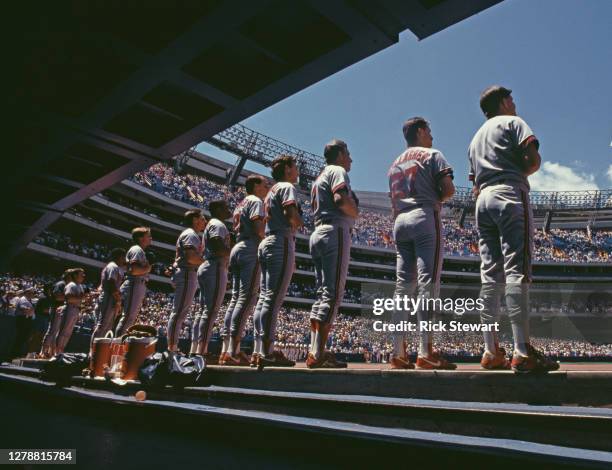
(610, 173)
(557, 177)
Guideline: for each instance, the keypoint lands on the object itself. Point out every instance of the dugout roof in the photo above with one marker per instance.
(105, 89)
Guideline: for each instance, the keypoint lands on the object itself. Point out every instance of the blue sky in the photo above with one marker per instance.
(556, 56)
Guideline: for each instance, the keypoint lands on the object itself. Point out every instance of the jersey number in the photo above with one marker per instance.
(410, 175)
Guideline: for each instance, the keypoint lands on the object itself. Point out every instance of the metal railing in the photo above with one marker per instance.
(260, 148)
(549, 200)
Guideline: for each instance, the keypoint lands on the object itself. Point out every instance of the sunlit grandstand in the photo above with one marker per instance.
(573, 248)
(573, 245)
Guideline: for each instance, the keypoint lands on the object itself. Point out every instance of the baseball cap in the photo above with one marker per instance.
(491, 97)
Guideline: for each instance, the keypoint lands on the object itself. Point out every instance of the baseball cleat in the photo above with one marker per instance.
(243, 359)
(212, 359)
(434, 362)
(326, 361)
(497, 361)
(276, 359)
(226, 359)
(534, 363)
(254, 360)
(398, 362)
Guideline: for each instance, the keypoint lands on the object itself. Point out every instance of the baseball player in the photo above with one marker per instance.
(48, 346)
(335, 208)
(420, 180)
(189, 248)
(502, 154)
(42, 311)
(108, 304)
(24, 316)
(212, 276)
(249, 227)
(134, 287)
(276, 255)
(73, 295)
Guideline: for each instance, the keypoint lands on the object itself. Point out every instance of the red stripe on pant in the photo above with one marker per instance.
(526, 242)
(436, 270)
(283, 272)
(338, 295)
(129, 305)
(179, 310)
(241, 315)
(212, 314)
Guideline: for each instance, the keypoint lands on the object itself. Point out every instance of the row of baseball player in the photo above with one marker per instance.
(502, 154)
(261, 263)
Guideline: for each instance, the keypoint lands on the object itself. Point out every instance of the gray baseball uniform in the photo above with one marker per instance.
(133, 291)
(414, 180)
(70, 314)
(185, 281)
(54, 322)
(330, 243)
(212, 278)
(276, 254)
(106, 306)
(23, 307)
(504, 220)
(244, 266)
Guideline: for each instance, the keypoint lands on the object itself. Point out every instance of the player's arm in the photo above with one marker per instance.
(110, 285)
(192, 256)
(531, 160)
(115, 292)
(393, 206)
(218, 247)
(260, 228)
(447, 188)
(75, 295)
(139, 268)
(27, 308)
(472, 176)
(396, 191)
(58, 296)
(293, 216)
(346, 203)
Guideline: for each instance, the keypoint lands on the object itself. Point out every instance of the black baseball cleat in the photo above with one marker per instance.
(534, 363)
(276, 359)
(326, 361)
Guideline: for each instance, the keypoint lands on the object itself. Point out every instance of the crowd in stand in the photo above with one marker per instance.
(109, 196)
(191, 189)
(573, 245)
(376, 229)
(372, 229)
(66, 243)
(351, 334)
(298, 289)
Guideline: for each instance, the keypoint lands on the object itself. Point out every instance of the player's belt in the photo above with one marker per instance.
(285, 231)
(508, 181)
(420, 205)
(494, 182)
(188, 268)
